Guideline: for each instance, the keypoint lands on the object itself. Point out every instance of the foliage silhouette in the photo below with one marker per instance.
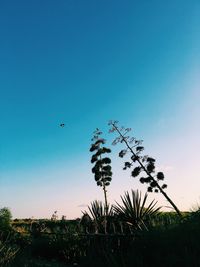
(133, 210)
(97, 214)
(5, 219)
(8, 246)
(146, 164)
(102, 168)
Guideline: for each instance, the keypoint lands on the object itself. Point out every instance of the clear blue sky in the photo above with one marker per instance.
(83, 62)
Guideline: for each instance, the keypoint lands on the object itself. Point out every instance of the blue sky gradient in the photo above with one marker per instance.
(83, 63)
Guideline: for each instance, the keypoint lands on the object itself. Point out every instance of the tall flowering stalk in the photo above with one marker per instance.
(145, 165)
(102, 168)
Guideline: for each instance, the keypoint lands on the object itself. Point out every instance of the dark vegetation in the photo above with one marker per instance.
(134, 232)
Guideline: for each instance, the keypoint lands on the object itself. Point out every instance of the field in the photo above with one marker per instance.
(168, 241)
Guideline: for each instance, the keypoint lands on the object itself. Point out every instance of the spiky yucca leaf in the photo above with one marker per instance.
(101, 215)
(97, 210)
(133, 210)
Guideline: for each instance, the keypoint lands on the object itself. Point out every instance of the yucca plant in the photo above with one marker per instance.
(99, 214)
(98, 210)
(135, 211)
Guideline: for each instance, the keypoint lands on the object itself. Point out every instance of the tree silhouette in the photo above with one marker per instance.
(102, 168)
(145, 168)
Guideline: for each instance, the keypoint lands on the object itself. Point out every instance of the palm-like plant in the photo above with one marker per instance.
(99, 213)
(134, 211)
(98, 210)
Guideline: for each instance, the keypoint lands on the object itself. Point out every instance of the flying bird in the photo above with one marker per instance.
(62, 125)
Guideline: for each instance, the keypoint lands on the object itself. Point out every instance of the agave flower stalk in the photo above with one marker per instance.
(146, 164)
(102, 168)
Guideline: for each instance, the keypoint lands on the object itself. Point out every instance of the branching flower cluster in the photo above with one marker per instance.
(145, 168)
(102, 168)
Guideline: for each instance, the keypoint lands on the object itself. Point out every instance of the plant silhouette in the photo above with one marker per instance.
(134, 209)
(145, 168)
(102, 168)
